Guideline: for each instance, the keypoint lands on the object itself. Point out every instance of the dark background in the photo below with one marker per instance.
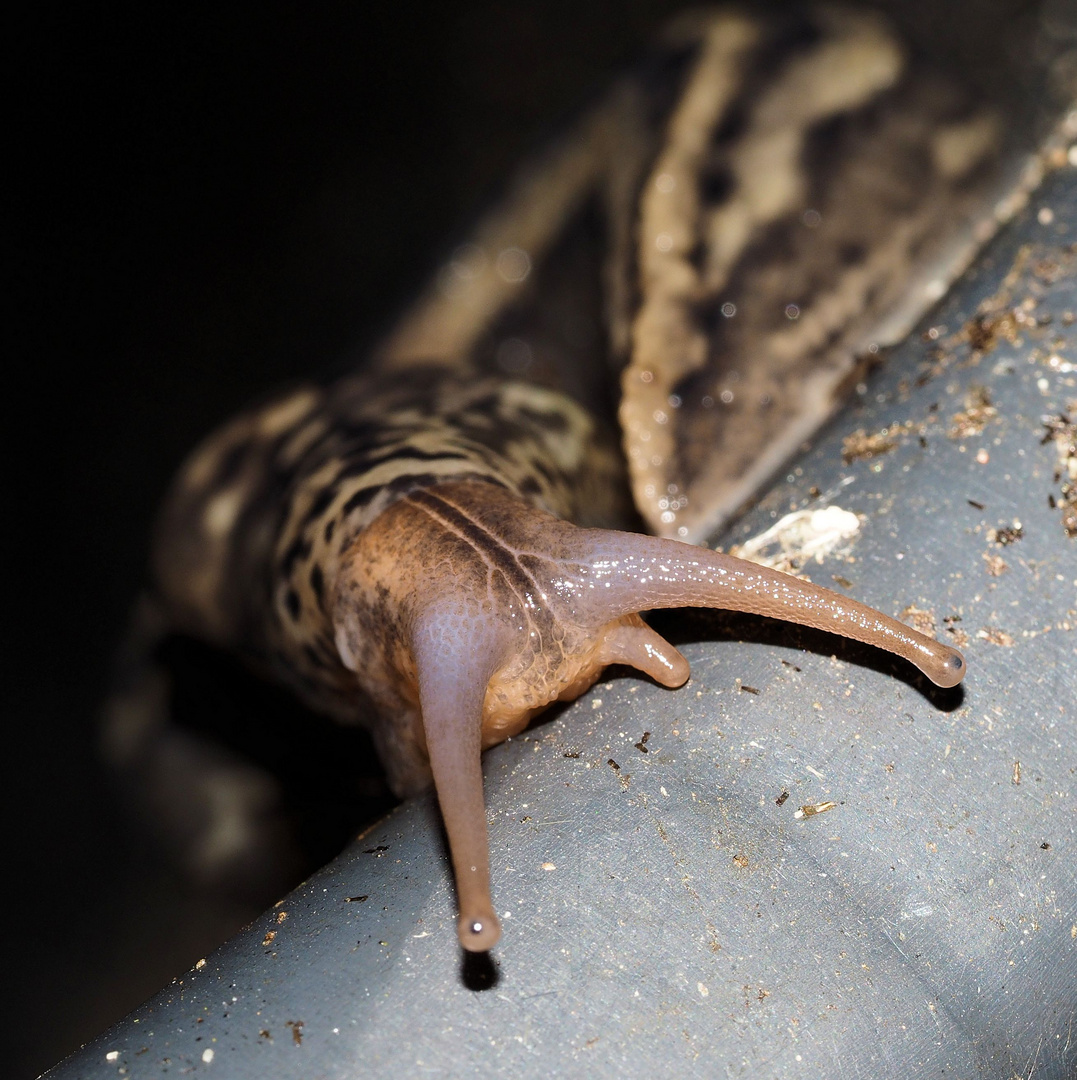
(210, 200)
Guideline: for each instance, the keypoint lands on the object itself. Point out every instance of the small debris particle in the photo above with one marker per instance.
(975, 416)
(961, 639)
(790, 664)
(1069, 510)
(860, 446)
(297, 1030)
(844, 582)
(889, 766)
(780, 800)
(641, 746)
(1005, 535)
(995, 636)
(268, 939)
(748, 689)
(622, 776)
(996, 564)
(799, 537)
(703, 991)
(357, 899)
(573, 754)
(983, 331)
(280, 916)
(982, 456)
(549, 866)
(919, 619)
(741, 861)
(1062, 430)
(207, 1055)
(1045, 846)
(1016, 773)
(377, 852)
(200, 965)
(264, 1034)
(976, 505)
(814, 808)
(112, 1055)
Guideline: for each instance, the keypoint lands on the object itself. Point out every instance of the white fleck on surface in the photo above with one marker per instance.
(207, 1055)
(112, 1055)
(921, 911)
(799, 537)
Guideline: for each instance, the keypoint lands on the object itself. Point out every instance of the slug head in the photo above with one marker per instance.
(464, 611)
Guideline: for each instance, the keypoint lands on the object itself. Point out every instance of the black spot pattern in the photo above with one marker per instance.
(376, 439)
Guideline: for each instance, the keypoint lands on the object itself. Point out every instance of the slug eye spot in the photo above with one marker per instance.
(952, 670)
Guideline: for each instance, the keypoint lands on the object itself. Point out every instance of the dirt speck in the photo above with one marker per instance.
(1004, 535)
(919, 619)
(860, 446)
(975, 416)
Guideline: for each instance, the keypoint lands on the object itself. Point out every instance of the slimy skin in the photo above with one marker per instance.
(411, 547)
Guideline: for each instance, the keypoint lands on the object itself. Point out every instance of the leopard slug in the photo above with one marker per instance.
(416, 546)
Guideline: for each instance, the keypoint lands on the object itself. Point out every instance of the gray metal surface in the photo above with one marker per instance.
(663, 914)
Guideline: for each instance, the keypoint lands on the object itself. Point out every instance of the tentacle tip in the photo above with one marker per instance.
(478, 932)
(951, 671)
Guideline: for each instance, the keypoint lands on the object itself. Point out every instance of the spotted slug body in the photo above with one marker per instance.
(413, 547)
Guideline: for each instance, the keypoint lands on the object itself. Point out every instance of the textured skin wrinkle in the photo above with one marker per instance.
(490, 548)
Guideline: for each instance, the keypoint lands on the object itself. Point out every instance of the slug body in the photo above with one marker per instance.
(396, 546)
(447, 597)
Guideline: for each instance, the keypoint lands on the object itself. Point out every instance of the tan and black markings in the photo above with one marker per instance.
(250, 542)
(719, 237)
(801, 198)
